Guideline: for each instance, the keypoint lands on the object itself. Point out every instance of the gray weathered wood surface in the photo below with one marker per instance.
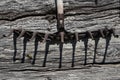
(38, 15)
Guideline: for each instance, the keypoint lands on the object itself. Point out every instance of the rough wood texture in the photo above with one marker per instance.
(79, 14)
(39, 15)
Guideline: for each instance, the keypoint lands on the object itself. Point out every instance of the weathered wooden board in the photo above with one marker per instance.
(40, 14)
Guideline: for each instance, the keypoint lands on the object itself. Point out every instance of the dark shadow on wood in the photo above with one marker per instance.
(61, 50)
(24, 49)
(73, 54)
(46, 53)
(85, 40)
(35, 50)
(95, 50)
(108, 38)
(15, 45)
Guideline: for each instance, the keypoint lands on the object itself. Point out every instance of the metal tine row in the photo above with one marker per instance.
(17, 34)
(29, 35)
(61, 37)
(106, 34)
(108, 38)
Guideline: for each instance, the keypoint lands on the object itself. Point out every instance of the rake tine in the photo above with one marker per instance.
(86, 47)
(73, 54)
(15, 45)
(24, 49)
(35, 51)
(46, 53)
(95, 50)
(60, 49)
(108, 38)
